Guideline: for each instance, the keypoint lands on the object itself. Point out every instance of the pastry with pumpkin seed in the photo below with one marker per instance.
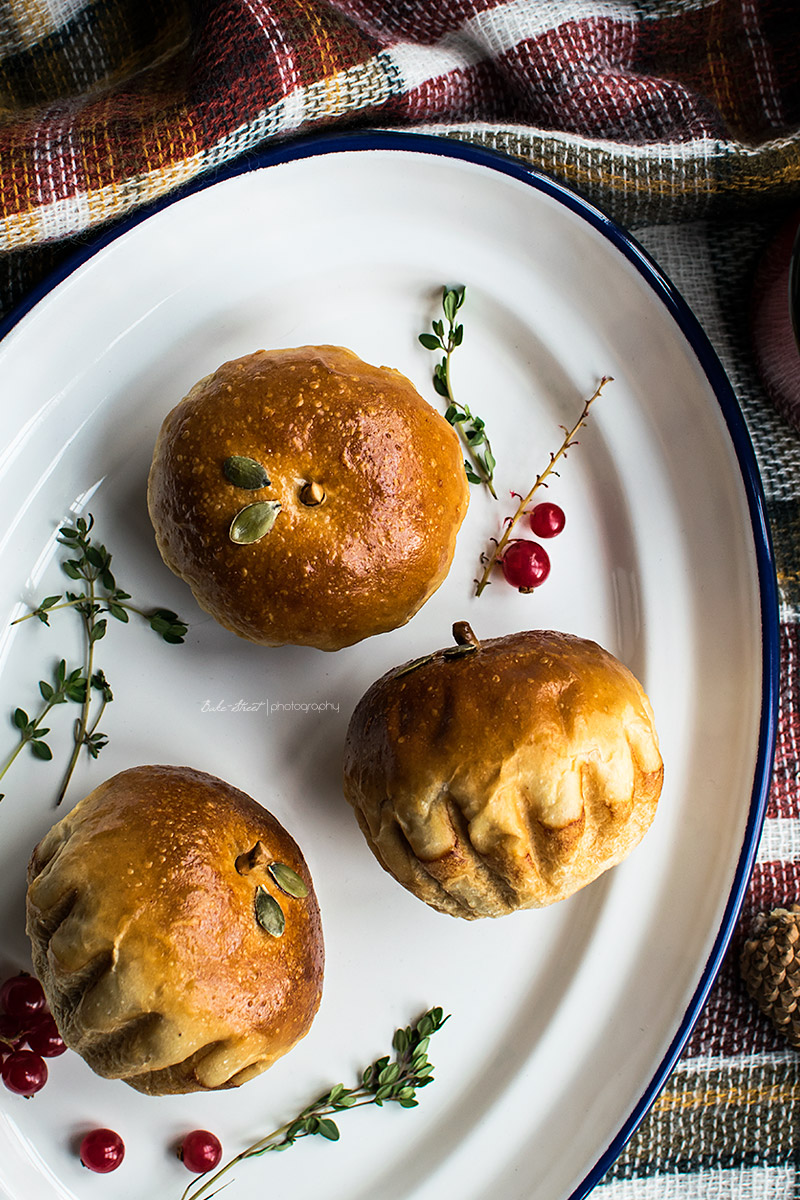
(175, 931)
(307, 497)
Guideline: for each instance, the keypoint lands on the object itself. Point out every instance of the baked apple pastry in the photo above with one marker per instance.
(175, 932)
(506, 774)
(307, 497)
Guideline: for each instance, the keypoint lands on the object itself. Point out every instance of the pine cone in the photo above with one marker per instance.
(770, 966)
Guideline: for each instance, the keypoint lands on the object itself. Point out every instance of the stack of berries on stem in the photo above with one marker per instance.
(526, 564)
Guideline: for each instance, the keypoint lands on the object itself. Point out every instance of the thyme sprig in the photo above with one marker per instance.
(489, 560)
(93, 564)
(90, 564)
(481, 463)
(64, 687)
(387, 1079)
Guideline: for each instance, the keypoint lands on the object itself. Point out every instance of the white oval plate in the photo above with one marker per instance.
(564, 1022)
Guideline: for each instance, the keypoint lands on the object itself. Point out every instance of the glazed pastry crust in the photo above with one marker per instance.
(145, 939)
(504, 778)
(361, 562)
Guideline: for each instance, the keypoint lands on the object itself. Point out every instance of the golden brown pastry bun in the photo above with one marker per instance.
(505, 775)
(142, 914)
(369, 482)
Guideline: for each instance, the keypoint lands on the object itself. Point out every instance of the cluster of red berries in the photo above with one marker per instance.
(28, 1035)
(526, 564)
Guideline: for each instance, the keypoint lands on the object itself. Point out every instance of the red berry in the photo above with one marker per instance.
(43, 1036)
(525, 564)
(24, 1072)
(200, 1151)
(22, 996)
(102, 1151)
(12, 1033)
(547, 519)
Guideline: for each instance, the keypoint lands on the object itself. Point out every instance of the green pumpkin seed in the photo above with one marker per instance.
(253, 522)
(412, 666)
(288, 880)
(457, 651)
(269, 913)
(245, 472)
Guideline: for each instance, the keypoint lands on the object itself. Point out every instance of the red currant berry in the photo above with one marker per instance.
(547, 519)
(525, 564)
(24, 1072)
(102, 1151)
(12, 1033)
(22, 996)
(43, 1036)
(200, 1151)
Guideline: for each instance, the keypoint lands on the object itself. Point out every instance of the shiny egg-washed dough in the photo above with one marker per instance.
(145, 940)
(327, 575)
(504, 778)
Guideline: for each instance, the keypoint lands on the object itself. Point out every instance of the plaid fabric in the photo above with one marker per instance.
(727, 1124)
(680, 117)
(659, 109)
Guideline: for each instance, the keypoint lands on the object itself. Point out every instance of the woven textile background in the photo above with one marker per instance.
(661, 110)
(680, 117)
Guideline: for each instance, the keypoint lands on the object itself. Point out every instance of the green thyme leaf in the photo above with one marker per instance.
(329, 1129)
(440, 386)
(76, 690)
(168, 625)
(400, 1040)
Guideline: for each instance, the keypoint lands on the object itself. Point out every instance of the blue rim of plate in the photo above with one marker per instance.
(365, 140)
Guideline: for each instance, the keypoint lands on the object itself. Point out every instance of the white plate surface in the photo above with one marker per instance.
(561, 1019)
